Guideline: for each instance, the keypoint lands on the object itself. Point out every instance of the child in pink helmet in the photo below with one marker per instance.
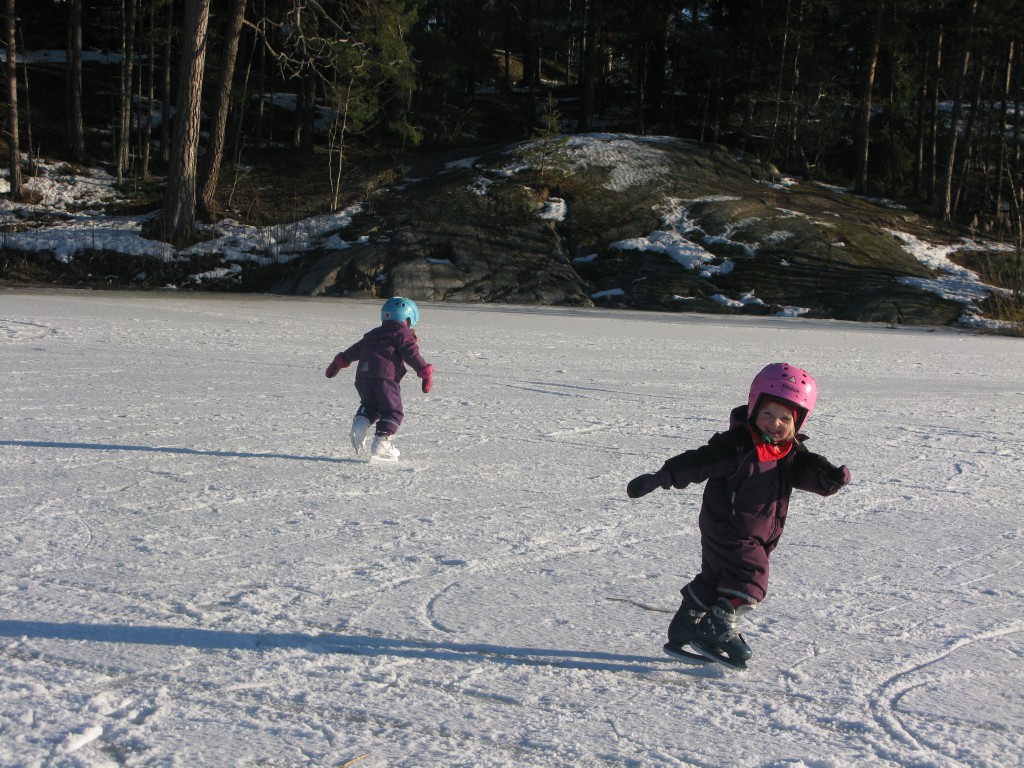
(749, 472)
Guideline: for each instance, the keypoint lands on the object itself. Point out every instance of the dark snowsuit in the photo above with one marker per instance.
(382, 354)
(744, 507)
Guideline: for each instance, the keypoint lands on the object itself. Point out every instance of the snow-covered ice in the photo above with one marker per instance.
(194, 571)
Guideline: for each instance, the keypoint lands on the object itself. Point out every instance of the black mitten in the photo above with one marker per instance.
(834, 478)
(644, 484)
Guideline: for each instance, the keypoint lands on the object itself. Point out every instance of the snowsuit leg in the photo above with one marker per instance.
(703, 590)
(368, 406)
(730, 569)
(747, 578)
(381, 402)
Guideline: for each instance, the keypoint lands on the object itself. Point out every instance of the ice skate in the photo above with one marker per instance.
(360, 426)
(682, 630)
(717, 637)
(383, 449)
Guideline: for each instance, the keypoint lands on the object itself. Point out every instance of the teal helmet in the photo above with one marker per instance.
(401, 309)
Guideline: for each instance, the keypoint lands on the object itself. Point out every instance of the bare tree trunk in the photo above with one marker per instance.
(336, 137)
(308, 86)
(783, 46)
(32, 164)
(892, 101)
(1013, 173)
(1003, 113)
(967, 148)
(933, 120)
(165, 123)
(655, 49)
(138, 84)
(146, 137)
(570, 42)
(591, 62)
(531, 56)
(1018, 133)
(128, 13)
(218, 131)
(179, 222)
(236, 117)
(921, 132)
(75, 126)
(954, 122)
(864, 132)
(261, 101)
(14, 159)
(300, 110)
(792, 146)
(262, 112)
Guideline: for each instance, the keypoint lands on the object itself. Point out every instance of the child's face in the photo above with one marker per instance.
(776, 421)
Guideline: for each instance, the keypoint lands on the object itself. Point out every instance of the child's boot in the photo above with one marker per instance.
(717, 633)
(683, 627)
(360, 426)
(383, 449)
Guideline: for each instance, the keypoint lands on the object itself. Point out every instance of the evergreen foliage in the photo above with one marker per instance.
(938, 124)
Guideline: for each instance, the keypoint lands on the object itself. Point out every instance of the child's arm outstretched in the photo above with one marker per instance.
(644, 484)
(343, 360)
(814, 473)
(716, 458)
(339, 362)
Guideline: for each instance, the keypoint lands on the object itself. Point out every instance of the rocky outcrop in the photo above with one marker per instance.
(644, 223)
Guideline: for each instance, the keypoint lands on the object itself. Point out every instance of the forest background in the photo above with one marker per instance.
(918, 100)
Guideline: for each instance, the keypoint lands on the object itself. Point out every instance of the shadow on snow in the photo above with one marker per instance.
(185, 451)
(358, 645)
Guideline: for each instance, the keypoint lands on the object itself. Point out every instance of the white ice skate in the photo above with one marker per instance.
(383, 449)
(360, 426)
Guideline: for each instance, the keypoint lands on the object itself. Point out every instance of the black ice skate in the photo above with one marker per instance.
(682, 629)
(717, 637)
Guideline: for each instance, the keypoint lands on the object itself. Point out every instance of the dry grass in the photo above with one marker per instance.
(1002, 269)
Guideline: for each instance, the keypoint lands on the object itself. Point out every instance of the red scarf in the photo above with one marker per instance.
(770, 451)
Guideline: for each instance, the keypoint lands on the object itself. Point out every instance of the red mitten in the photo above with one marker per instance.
(336, 365)
(427, 374)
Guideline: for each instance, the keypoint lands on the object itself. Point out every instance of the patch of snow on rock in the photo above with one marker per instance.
(631, 161)
(674, 245)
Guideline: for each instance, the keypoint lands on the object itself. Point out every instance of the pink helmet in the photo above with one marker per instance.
(782, 381)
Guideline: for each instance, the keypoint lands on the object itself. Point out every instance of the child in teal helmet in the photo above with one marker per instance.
(383, 354)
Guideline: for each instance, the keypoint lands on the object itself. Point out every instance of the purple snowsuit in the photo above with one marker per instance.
(382, 354)
(744, 507)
